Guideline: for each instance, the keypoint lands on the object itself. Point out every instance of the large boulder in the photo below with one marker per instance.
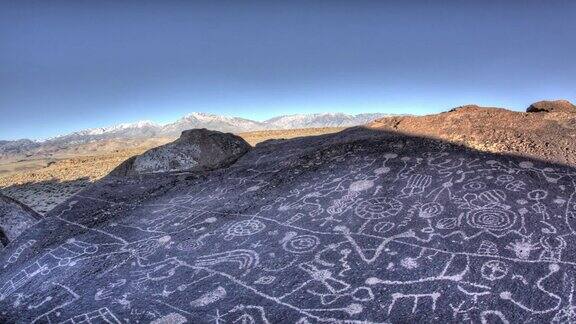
(552, 106)
(195, 150)
(15, 217)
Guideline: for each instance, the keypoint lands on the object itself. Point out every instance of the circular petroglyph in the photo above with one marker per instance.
(491, 219)
(474, 185)
(430, 209)
(244, 228)
(537, 194)
(377, 208)
(301, 244)
(383, 227)
(494, 270)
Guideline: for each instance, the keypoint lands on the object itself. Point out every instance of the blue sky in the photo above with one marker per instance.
(69, 65)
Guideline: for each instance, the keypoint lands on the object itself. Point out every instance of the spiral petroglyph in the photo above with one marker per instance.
(301, 244)
(491, 219)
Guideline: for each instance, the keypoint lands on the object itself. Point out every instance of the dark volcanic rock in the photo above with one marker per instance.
(195, 150)
(15, 217)
(356, 227)
(552, 106)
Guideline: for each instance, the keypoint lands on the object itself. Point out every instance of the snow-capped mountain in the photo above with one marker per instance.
(320, 120)
(214, 122)
(138, 129)
(148, 129)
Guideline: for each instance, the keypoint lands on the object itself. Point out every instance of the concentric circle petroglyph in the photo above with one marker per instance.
(376, 208)
(491, 219)
(301, 244)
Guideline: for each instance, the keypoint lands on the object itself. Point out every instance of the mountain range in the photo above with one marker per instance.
(148, 129)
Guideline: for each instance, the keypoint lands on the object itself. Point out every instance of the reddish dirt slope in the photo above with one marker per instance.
(548, 134)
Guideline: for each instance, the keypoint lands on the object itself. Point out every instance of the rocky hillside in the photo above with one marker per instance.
(361, 226)
(546, 131)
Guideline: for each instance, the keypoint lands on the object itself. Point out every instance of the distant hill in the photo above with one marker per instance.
(147, 129)
(547, 130)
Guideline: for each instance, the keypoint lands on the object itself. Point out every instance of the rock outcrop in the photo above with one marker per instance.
(561, 106)
(548, 136)
(362, 226)
(195, 150)
(15, 217)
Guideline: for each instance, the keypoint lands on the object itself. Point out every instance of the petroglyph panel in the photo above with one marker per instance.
(354, 227)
